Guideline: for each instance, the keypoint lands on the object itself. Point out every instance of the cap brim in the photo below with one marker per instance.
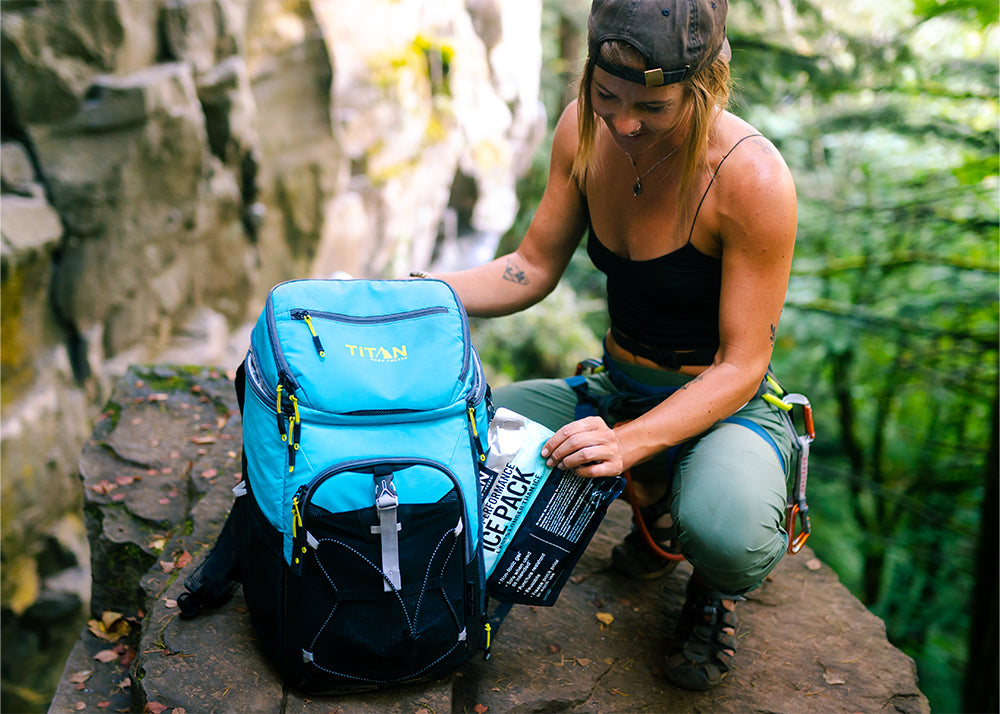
(726, 52)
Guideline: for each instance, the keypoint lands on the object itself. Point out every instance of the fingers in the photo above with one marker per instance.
(587, 446)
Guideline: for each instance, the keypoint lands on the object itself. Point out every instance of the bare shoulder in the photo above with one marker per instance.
(756, 187)
(566, 137)
(753, 159)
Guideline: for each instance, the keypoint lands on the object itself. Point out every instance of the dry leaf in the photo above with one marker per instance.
(179, 710)
(124, 480)
(158, 544)
(166, 567)
(831, 677)
(81, 676)
(481, 709)
(210, 473)
(583, 661)
(106, 656)
(158, 397)
(814, 564)
(111, 627)
(606, 618)
(169, 604)
(182, 559)
(103, 487)
(80, 706)
(154, 707)
(124, 684)
(104, 704)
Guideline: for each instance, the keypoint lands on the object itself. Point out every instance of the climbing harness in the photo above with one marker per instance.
(797, 522)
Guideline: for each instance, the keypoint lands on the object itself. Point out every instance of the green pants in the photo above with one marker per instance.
(726, 487)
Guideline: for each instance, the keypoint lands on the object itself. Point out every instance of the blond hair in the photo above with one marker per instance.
(704, 95)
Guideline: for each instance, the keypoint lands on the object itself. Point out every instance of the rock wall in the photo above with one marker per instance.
(165, 162)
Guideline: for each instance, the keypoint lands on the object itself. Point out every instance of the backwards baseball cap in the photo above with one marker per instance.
(677, 38)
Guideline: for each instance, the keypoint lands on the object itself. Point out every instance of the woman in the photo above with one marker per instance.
(691, 214)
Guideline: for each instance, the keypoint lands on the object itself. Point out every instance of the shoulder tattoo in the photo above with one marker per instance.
(764, 145)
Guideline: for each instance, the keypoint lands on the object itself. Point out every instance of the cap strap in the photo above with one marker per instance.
(648, 78)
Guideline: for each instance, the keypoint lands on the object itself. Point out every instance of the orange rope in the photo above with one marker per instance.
(641, 523)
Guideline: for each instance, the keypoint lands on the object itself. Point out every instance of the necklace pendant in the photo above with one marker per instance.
(637, 188)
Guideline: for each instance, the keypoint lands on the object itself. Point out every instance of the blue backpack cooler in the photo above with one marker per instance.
(358, 539)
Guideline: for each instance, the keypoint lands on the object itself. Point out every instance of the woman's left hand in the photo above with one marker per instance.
(587, 446)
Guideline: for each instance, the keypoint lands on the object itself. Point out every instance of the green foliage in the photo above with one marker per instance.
(546, 340)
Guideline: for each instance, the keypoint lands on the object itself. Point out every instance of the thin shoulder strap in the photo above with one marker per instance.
(712, 181)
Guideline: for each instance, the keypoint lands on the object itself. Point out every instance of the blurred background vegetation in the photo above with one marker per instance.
(887, 114)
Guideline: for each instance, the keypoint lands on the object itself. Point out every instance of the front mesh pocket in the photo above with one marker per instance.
(354, 629)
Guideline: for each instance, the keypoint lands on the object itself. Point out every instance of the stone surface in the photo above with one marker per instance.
(158, 476)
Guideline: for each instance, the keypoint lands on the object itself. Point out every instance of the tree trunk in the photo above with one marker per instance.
(981, 691)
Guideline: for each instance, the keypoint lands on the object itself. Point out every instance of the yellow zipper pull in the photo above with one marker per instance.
(296, 517)
(312, 330)
(475, 433)
(294, 432)
(281, 420)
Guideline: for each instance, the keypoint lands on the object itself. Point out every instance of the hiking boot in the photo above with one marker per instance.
(705, 640)
(634, 558)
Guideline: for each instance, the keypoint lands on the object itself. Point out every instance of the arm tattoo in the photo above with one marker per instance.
(692, 381)
(514, 274)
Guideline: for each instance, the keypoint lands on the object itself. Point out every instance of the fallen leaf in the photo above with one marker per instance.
(203, 439)
(106, 656)
(210, 473)
(606, 618)
(124, 684)
(814, 564)
(154, 707)
(481, 708)
(81, 676)
(583, 661)
(103, 487)
(163, 501)
(554, 649)
(182, 559)
(80, 706)
(169, 604)
(111, 627)
(166, 567)
(158, 544)
(124, 480)
(104, 704)
(126, 659)
(831, 677)
(158, 397)
(179, 710)
(117, 497)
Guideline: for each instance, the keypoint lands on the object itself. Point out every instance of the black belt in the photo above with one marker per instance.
(702, 356)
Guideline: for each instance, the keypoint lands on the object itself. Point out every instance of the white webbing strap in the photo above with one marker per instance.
(386, 502)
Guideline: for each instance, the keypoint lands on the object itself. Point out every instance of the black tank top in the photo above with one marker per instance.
(665, 309)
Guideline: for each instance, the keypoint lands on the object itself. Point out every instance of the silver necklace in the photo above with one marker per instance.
(637, 186)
